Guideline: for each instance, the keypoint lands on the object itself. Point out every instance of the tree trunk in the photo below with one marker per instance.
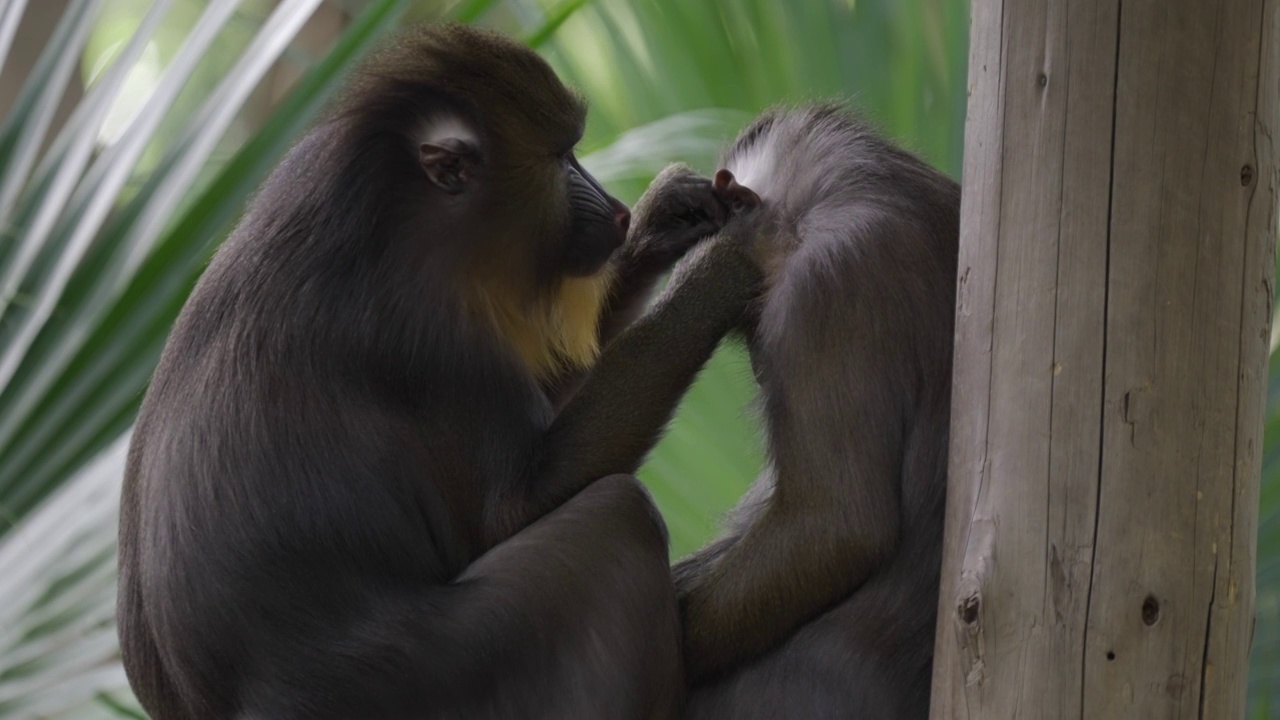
(1113, 310)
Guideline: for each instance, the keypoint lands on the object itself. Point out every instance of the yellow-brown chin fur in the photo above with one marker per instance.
(556, 331)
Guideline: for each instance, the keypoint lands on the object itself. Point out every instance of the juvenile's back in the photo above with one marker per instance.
(833, 557)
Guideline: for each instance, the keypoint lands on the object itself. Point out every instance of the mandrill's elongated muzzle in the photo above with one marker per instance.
(598, 224)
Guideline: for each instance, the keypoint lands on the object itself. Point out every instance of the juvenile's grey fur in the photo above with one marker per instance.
(819, 599)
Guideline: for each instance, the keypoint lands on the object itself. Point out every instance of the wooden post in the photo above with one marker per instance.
(1113, 311)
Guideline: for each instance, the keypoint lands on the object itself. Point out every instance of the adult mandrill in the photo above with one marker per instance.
(820, 599)
(372, 476)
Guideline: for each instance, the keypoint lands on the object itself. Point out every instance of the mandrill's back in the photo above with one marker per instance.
(265, 489)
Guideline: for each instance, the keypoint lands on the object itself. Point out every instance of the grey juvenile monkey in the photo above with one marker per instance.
(819, 600)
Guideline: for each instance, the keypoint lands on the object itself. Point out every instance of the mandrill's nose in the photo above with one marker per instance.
(622, 218)
(621, 215)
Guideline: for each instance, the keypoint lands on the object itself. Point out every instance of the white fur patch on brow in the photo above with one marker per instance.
(443, 127)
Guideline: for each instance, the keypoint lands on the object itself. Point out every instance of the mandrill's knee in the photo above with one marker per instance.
(623, 499)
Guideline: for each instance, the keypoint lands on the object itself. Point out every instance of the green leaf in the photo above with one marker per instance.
(29, 118)
(52, 406)
(472, 10)
(80, 376)
(555, 19)
(119, 708)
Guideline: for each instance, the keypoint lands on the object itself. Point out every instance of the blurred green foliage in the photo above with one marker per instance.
(666, 79)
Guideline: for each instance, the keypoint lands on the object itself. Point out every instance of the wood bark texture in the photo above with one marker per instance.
(1117, 264)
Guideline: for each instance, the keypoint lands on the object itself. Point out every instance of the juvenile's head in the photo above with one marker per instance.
(485, 133)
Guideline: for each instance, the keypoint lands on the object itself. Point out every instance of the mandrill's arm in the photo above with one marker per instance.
(621, 407)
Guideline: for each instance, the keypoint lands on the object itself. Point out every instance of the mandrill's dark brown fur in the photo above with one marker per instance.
(819, 600)
(379, 472)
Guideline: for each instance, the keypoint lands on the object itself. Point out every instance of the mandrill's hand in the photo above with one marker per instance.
(679, 209)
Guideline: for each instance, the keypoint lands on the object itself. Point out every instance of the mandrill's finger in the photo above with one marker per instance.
(736, 196)
(675, 173)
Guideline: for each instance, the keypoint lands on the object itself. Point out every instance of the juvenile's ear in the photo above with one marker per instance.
(736, 196)
(449, 162)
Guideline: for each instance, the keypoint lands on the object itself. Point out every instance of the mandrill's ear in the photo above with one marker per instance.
(449, 155)
(449, 163)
